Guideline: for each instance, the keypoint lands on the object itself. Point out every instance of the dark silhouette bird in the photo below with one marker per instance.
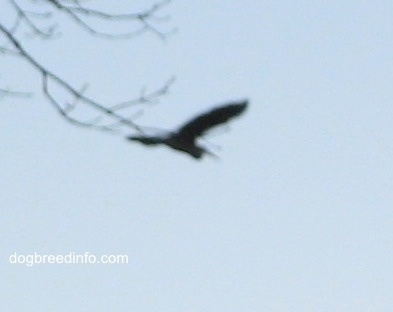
(185, 138)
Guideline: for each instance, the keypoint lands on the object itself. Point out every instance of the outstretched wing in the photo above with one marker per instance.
(199, 125)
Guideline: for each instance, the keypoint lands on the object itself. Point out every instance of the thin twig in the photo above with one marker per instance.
(145, 98)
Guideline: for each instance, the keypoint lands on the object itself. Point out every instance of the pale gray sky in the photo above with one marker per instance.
(296, 215)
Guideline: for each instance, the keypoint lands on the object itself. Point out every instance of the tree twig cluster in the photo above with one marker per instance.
(29, 21)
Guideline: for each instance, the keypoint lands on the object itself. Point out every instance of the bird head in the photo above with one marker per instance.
(145, 140)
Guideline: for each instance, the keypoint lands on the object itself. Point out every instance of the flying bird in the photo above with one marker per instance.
(185, 138)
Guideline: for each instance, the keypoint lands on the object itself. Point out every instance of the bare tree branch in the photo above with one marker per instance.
(79, 14)
(107, 117)
(47, 75)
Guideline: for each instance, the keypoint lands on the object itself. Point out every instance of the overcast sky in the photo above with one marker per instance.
(295, 216)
